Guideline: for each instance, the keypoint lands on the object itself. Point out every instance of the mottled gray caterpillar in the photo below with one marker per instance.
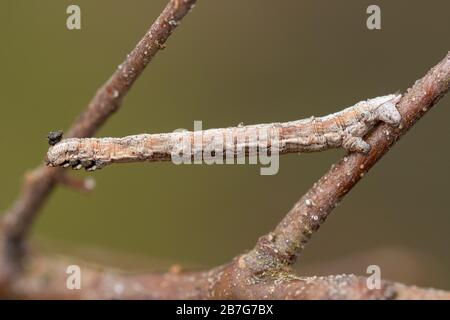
(342, 129)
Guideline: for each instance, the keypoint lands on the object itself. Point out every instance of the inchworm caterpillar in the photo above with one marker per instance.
(342, 129)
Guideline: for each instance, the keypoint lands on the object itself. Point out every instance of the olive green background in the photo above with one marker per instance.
(231, 61)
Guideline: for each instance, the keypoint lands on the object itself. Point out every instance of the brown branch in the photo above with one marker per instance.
(41, 182)
(264, 272)
(281, 247)
(85, 185)
(45, 278)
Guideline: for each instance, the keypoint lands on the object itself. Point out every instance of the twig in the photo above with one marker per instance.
(342, 129)
(85, 185)
(281, 247)
(36, 189)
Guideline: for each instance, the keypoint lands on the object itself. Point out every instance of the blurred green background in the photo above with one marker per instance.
(231, 61)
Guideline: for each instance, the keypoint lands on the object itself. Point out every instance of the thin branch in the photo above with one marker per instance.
(85, 185)
(38, 186)
(281, 247)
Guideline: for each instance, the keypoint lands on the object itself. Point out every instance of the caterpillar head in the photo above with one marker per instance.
(69, 153)
(54, 137)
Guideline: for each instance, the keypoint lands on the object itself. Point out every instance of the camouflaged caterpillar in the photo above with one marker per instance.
(342, 129)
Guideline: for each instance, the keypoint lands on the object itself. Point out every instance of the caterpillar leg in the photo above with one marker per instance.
(388, 113)
(352, 143)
